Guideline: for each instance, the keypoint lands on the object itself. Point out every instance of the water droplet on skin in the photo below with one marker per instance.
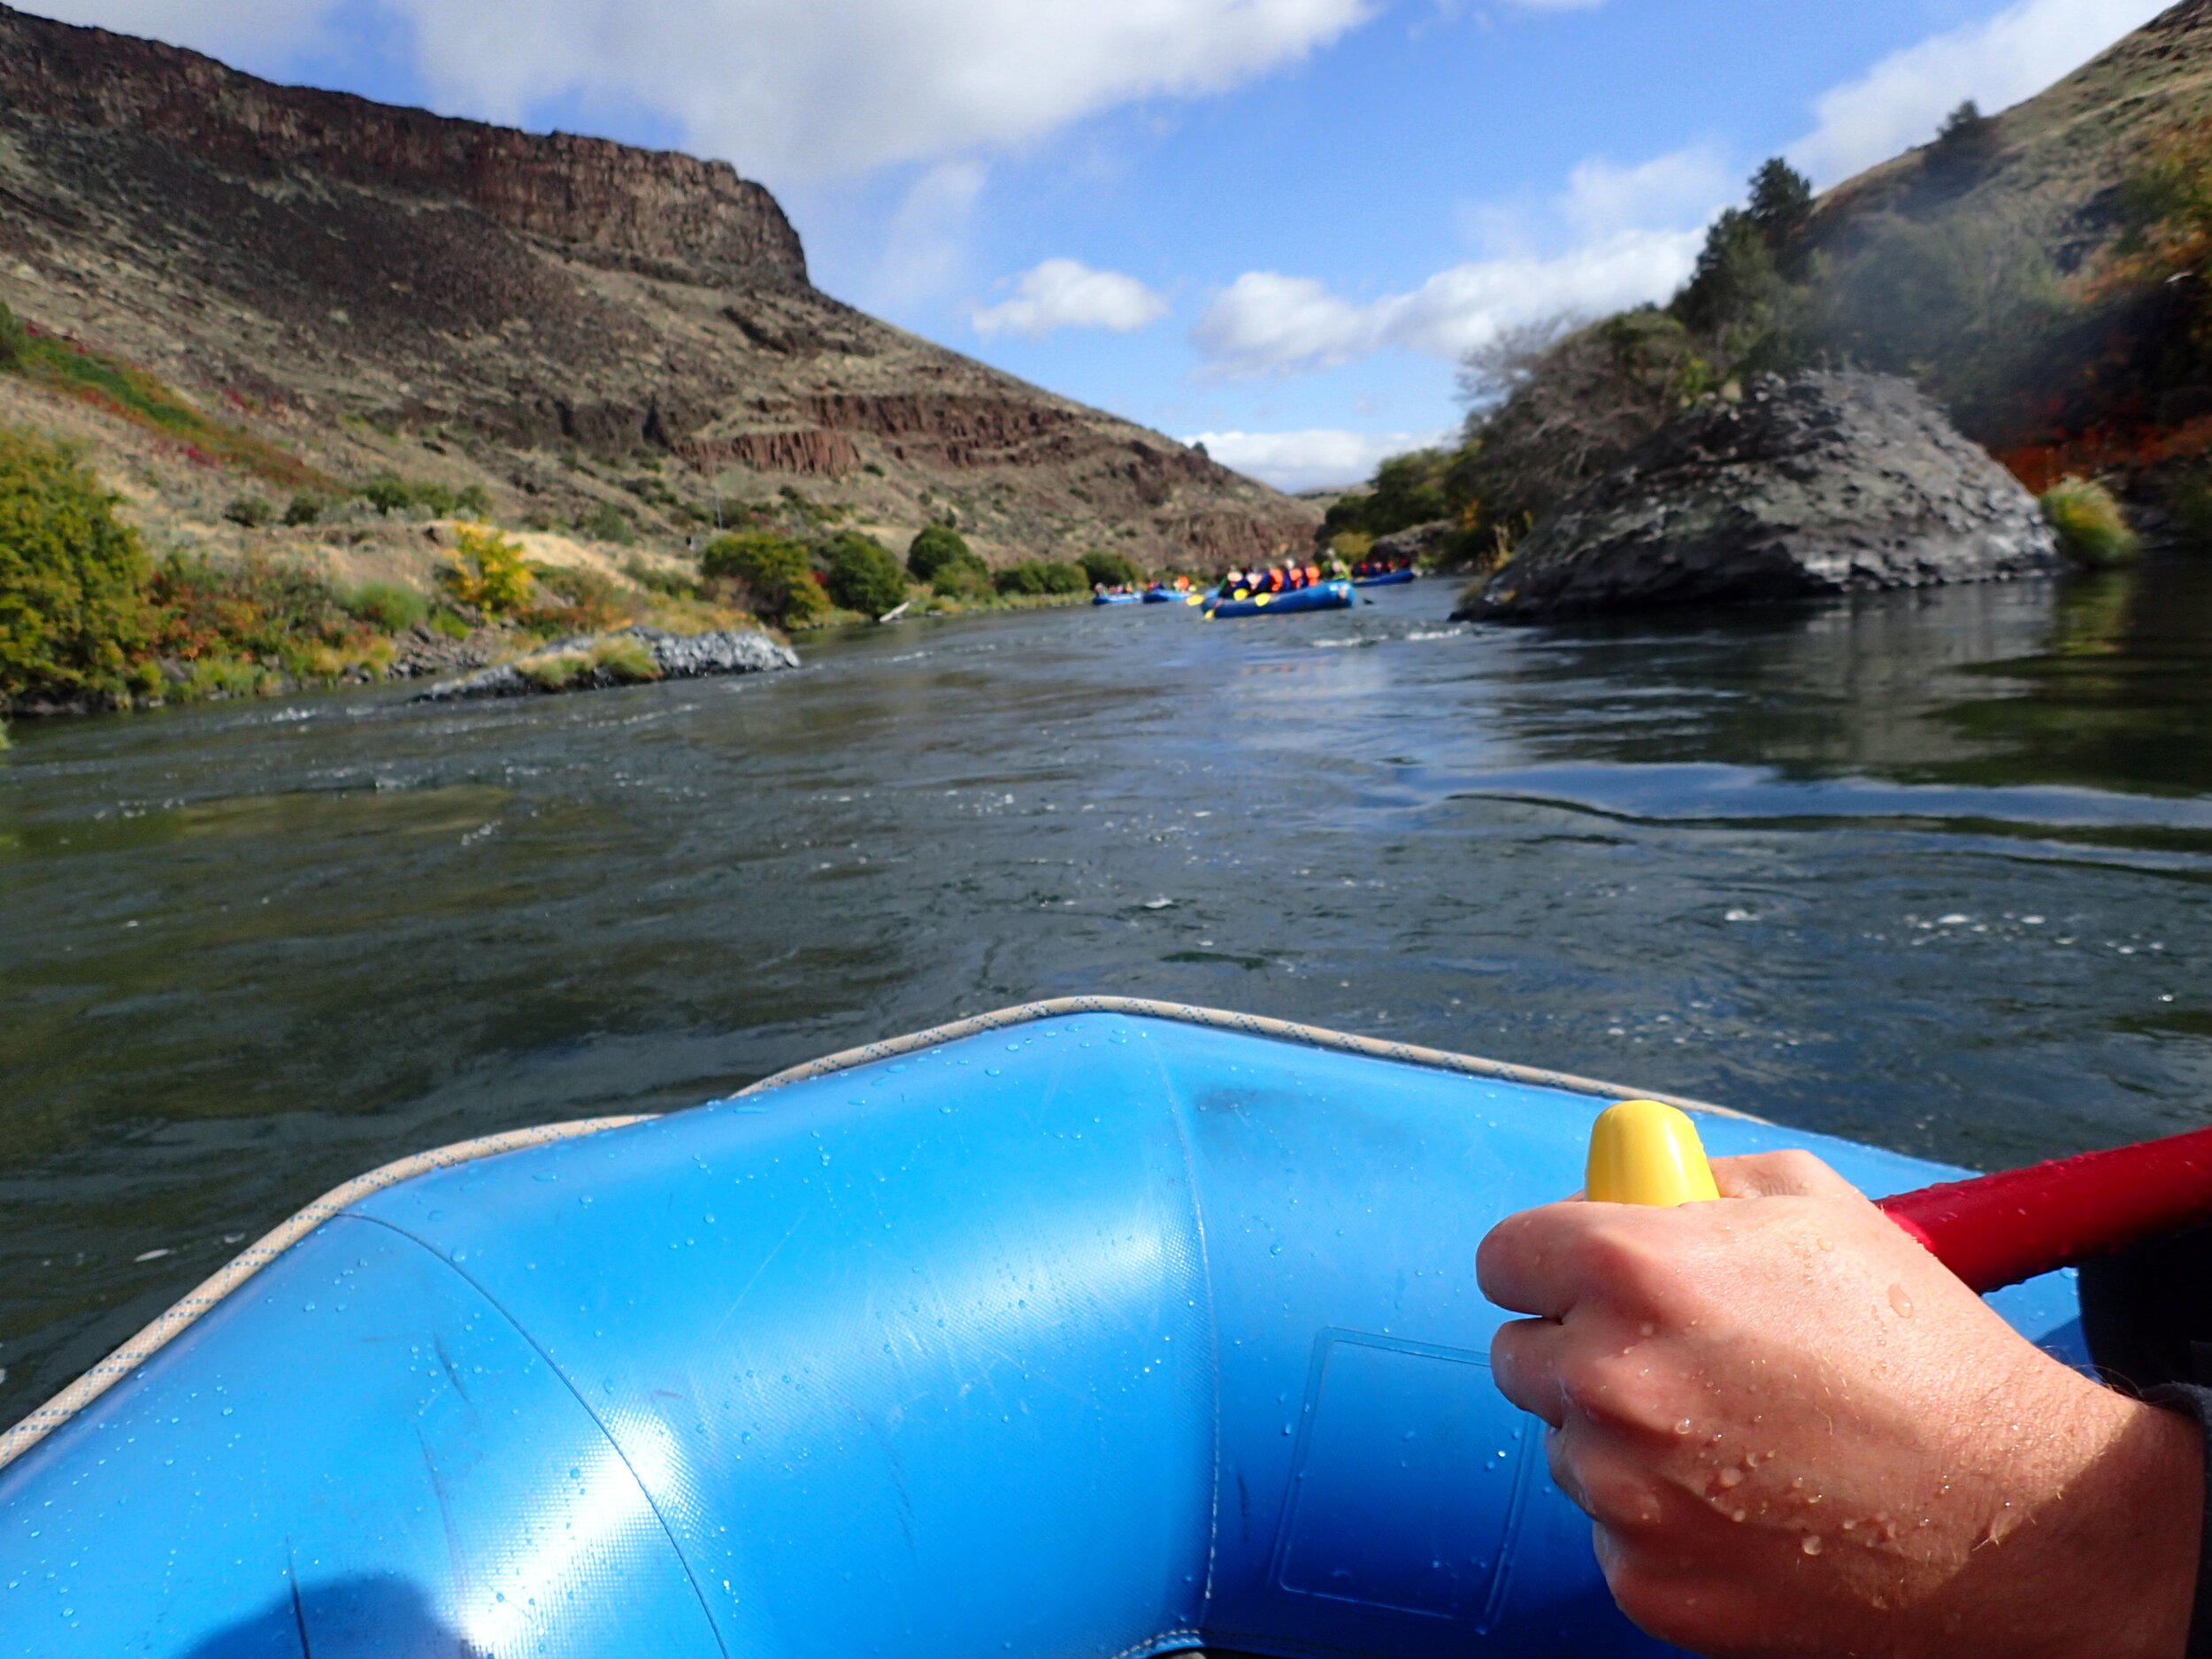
(1739, 1515)
(1732, 1477)
(1810, 1543)
(1825, 1244)
(1683, 1427)
(1648, 1328)
(1900, 1302)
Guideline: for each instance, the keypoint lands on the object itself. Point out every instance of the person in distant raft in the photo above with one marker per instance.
(1796, 1433)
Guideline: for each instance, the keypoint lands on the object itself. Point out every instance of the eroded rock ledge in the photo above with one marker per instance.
(628, 657)
(1831, 483)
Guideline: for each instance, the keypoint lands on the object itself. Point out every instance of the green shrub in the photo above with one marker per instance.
(448, 624)
(305, 509)
(863, 575)
(556, 672)
(1114, 570)
(2092, 530)
(935, 546)
(966, 577)
(1036, 577)
(388, 606)
(71, 618)
(774, 571)
(388, 494)
(15, 340)
(607, 522)
(652, 579)
(252, 511)
(256, 615)
(626, 657)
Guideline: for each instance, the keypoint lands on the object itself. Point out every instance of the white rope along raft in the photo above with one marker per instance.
(205, 1295)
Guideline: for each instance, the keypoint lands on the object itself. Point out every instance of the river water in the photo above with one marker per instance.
(1932, 870)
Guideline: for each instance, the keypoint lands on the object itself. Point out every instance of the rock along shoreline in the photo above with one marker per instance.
(625, 656)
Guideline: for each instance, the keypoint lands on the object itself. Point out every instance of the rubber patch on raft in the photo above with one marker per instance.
(1393, 1431)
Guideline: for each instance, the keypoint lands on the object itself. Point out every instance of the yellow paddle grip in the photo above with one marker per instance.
(1644, 1153)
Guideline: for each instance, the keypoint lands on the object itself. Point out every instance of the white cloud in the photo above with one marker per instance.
(1902, 99)
(926, 243)
(1632, 246)
(1266, 323)
(1309, 460)
(789, 91)
(1068, 293)
(1670, 190)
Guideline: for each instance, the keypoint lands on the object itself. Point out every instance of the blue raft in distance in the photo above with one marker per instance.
(1334, 595)
(1100, 1334)
(1388, 579)
(1116, 599)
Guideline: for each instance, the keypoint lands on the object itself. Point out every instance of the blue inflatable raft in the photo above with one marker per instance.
(1388, 579)
(1335, 595)
(1116, 599)
(1093, 1328)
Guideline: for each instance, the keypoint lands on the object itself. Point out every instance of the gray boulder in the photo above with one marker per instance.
(1414, 542)
(1829, 483)
(576, 665)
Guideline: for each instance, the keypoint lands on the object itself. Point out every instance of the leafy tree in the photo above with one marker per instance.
(863, 575)
(1110, 569)
(1781, 207)
(935, 546)
(774, 571)
(487, 571)
(71, 617)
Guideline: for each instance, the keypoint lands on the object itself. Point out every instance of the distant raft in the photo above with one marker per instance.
(1388, 579)
(1335, 595)
(1095, 1327)
(1116, 599)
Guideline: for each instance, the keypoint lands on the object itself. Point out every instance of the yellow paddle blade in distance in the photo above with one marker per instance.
(1642, 1152)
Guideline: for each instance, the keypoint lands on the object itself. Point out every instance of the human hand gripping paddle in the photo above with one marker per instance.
(1797, 1429)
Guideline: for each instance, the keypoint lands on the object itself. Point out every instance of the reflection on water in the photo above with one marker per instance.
(1933, 870)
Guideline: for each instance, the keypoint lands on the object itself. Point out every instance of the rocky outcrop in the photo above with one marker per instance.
(587, 664)
(1831, 483)
(1415, 541)
(645, 209)
(569, 323)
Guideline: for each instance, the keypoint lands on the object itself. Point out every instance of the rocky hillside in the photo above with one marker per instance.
(1982, 263)
(570, 324)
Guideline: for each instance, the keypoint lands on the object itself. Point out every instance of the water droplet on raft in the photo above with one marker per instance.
(1900, 1302)
(1810, 1543)
(991, 1070)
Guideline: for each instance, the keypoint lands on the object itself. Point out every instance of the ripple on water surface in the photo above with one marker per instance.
(1934, 870)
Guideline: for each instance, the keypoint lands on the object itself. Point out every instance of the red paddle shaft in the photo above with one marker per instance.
(1999, 1229)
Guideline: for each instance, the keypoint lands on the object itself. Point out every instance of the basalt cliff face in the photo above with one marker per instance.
(374, 289)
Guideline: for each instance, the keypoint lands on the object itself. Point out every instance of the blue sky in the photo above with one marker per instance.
(1275, 224)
